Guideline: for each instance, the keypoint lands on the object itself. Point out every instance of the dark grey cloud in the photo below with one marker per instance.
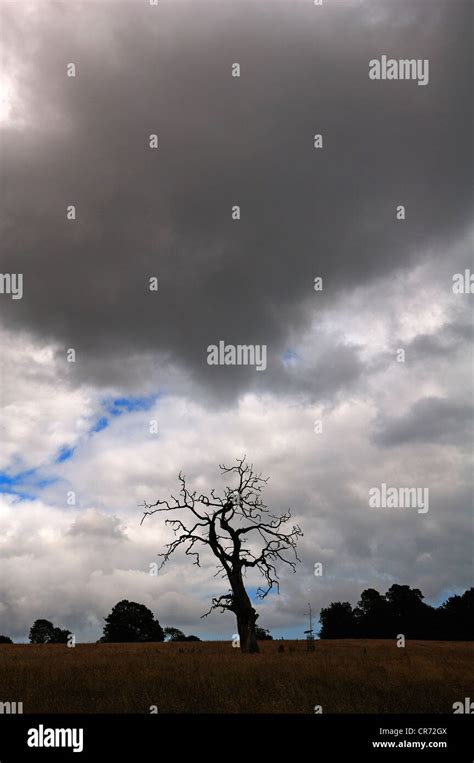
(429, 420)
(453, 337)
(223, 141)
(334, 369)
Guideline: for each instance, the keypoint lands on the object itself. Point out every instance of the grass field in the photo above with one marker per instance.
(342, 676)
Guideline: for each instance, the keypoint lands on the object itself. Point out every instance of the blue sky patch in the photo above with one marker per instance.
(64, 454)
(290, 357)
(130, 404)
(15, 484)
(101, 424)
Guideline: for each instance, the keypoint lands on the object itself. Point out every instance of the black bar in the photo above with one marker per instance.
(110, 737)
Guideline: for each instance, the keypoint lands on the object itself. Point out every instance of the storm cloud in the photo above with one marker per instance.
(223, 141)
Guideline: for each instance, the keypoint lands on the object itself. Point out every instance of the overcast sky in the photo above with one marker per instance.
(141, 356)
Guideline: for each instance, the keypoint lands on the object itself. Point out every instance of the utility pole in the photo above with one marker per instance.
(310, 634)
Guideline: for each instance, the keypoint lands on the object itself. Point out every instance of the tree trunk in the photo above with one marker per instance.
(246, 620)
(244, 612)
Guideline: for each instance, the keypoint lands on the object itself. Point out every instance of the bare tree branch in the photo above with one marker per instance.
(232, 525)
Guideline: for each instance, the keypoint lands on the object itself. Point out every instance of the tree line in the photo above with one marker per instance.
(401, 610)
(128, 622)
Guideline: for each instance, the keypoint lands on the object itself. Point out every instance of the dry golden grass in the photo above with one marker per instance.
(342, 676)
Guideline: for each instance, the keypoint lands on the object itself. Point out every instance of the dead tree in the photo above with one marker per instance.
(242, 534)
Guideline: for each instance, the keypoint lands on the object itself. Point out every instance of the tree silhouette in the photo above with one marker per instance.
(174, 634)
(408, 612)
(131, 622)
(338, 621)
(232, 526)
(5, 640)
(456, 617)
(400, 610)
(263, 634)
(373, 615)
(60, 636)
(41, 632)
(44, 632)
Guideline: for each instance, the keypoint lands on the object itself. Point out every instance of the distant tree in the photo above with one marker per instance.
(409, 614)
(41, 632)
(403, 598)
(173, 634)
(372, 615)
(456, 617)
(60, 636)
(241, 533)
(44, 632)
(263, 634)
(5, 640)
(400, 611)
(131, 622)
(338, 621)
